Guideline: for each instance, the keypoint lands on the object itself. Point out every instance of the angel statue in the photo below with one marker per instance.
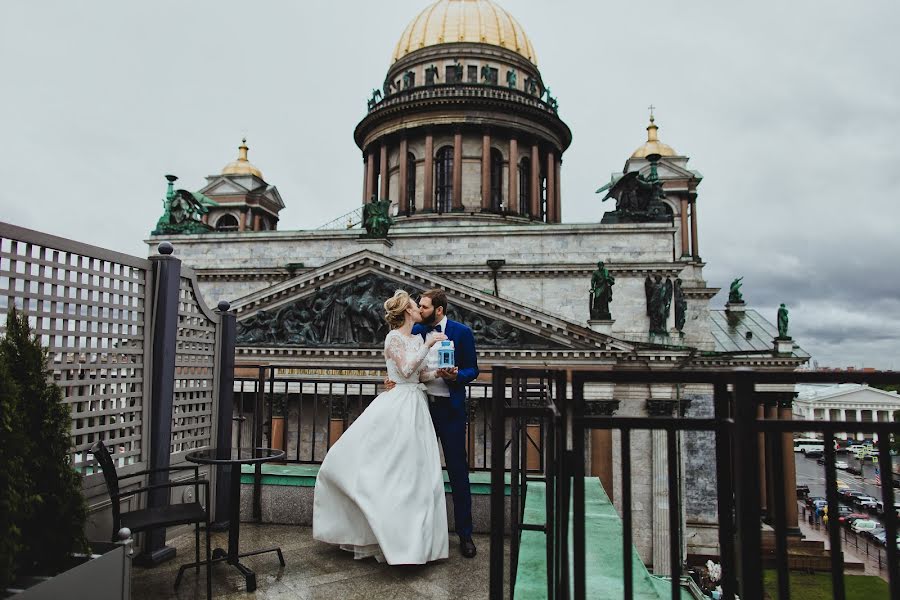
(734, 292)
(601, 292)
(659, 303)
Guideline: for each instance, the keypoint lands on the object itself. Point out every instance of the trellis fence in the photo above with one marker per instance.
(138, 354)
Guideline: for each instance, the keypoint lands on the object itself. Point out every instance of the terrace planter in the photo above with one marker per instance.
(103, 575)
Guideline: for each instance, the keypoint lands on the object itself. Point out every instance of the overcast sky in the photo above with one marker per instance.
(789, 109)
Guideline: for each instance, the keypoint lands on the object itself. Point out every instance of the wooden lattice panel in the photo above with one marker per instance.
(88, 307)
(192, 409)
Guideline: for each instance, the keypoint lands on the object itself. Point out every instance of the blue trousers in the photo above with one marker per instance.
(449, 420)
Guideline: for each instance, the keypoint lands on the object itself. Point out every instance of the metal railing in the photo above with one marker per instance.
(522, 397)
(742, 441)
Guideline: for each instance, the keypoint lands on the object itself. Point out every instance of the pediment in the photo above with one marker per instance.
(223, 187)
(340, 305)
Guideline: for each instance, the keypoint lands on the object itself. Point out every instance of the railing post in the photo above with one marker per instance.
(225, 408)
(498, 463)
(746, 454)
(167, 279)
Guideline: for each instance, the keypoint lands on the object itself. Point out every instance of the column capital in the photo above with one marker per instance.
(601, 408)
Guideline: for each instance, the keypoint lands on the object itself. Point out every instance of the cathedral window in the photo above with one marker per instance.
(227, 223)
(472, 72)
(496, 180)
(410, 184)
(525, 186)
(443, 179)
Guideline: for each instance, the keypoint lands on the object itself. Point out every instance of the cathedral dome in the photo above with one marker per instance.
(242, 166)
(653, 145)
(474, 21)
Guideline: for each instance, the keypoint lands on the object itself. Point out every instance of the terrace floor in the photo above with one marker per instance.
(315, 570)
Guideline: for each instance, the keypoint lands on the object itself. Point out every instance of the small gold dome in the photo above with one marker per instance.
(479, 21)
(242, 166)
(653, 145)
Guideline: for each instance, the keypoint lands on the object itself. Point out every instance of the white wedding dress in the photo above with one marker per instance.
(380, 490)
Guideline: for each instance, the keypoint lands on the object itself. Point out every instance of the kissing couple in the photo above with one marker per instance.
(380, 489)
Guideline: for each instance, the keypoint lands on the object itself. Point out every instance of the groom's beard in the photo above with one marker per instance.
(429, 320)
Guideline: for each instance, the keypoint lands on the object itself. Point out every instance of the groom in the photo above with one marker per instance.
(447, 401)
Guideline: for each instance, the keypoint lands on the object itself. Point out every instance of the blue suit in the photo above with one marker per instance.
(449, 417)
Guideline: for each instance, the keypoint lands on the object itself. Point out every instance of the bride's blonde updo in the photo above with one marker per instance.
(395, 307)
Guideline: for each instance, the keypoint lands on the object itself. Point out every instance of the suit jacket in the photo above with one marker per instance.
(464, 353)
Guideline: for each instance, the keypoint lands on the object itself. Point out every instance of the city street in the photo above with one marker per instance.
(812, 474)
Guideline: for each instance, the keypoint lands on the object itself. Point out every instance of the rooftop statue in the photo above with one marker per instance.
(511, 78)
(680, 305)
(659, 303)
(376, 218)
(601, 292)
(182, 211)
(783, 322)
(638, 198)
(734, 292)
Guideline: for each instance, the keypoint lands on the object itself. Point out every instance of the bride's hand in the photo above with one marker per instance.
(435, 338)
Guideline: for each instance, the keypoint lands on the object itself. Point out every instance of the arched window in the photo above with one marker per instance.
(410, 184)
(227, 223)
(443, 179)
(496, 180)
(525, 186)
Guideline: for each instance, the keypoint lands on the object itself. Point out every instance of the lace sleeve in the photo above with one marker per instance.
(395, 351)
(427, 376)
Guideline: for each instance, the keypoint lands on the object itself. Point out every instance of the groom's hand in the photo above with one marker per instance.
(389, 385)
(449, 373)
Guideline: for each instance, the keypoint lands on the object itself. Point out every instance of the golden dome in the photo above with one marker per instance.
(653, 145)
(479, 21)
(242, 166)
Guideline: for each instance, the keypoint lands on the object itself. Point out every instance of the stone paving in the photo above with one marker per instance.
(316, 570)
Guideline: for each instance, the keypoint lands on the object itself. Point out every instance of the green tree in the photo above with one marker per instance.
(54, 514)
(12, 474)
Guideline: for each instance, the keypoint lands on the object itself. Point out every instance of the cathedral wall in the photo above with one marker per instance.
(546, 267)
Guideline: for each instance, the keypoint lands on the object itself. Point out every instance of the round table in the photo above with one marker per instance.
(234, 457)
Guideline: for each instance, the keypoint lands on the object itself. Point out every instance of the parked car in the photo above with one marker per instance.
(820, 460)
(879, 507)
(810, 500)
(851, 496)
(866, 502)
(814, 454)
(802, 491)
(860, 525)
(840, 464)
(849, 519)
(873, 533)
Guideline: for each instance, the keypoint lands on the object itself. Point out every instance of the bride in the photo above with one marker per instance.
(380, 489)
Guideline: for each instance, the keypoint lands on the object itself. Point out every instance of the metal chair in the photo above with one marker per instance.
(145, 519)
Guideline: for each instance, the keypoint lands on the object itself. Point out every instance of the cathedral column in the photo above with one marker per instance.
(486, 172)
(558, 194)
(535, 207)
(695, 246)
(365, 178)
(760, 416)
(551, 188)
(457, 171)
(601, 444)
(789, 467)
(383, 193)
(370, 175)
(428, 191)
(402, 201)
(684, 228)
(242, 220)
(512, 194)
(771, 415)
(661, 405)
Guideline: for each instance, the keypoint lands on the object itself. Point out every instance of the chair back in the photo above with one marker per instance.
(101, 454)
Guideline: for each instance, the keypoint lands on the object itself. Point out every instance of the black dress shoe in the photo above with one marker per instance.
(467, 547)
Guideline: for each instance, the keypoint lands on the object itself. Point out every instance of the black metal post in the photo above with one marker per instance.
(498, 447)
(578, 533)
(225, 408)
(725, 496)
(746, 453)
(167, 280)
